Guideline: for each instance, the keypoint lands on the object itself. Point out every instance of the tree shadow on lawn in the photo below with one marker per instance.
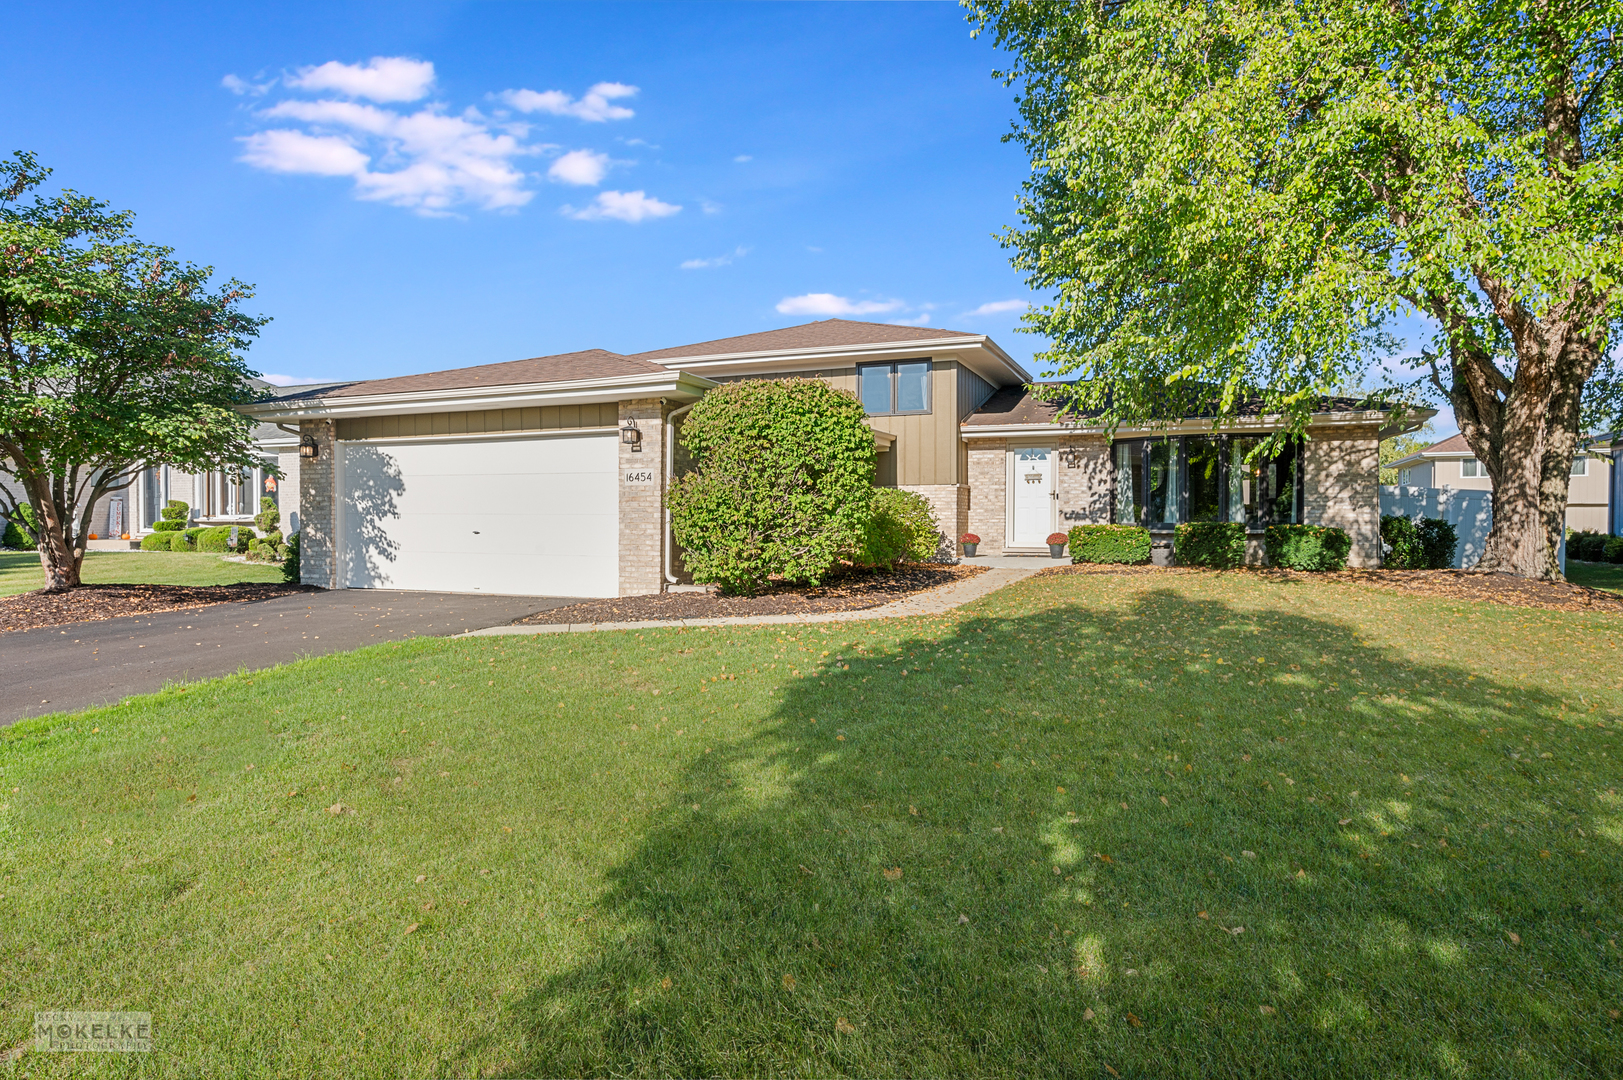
(1082, 821)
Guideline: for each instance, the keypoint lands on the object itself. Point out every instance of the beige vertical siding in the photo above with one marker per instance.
(489, 421)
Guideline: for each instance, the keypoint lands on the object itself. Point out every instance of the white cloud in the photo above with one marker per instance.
(434, 161)
(240, 86)
(997, 307)
(828, 304)
(383, 78)
(580, 167)
(281, 150)
(918, 320)
(741, 158)
(719, 260)
(709, 207)
(595, 105)
(629, 206)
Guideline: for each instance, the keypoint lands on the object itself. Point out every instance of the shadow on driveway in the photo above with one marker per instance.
(64, 668)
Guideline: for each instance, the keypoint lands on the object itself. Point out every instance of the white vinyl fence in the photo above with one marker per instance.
(1470, 512)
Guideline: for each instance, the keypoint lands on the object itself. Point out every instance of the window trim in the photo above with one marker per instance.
(890, 367)
(1297, 510)
(1479, 474)
(1577, 460)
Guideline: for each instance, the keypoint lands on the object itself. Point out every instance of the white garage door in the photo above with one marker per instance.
(537, 517)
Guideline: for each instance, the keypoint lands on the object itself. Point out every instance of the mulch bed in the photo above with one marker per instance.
(89, 603)
(1439, 584)
(852, 590)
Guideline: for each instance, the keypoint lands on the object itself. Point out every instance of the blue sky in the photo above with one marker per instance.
(423, 186)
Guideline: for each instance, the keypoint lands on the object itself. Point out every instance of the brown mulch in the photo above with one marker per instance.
(1440, 584)
(90, 603)
(852, 590)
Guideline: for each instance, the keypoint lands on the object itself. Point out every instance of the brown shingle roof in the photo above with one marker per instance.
(1454, 444)
(1018, 405)
(565, 367)
(828, 333)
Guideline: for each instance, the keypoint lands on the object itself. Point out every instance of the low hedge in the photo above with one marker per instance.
(1587, 545)
(158, 541)
(180, 541)
(218, 538)
(1216, 545)
(1307, 547)
(1612, 551)
(1109, 544)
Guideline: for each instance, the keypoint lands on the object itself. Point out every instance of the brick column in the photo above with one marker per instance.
(318, 520)
(1340, 487)
(988, 493)
(642, 504)
(1084, 490)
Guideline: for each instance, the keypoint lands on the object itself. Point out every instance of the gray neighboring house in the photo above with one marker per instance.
(1592, 493)
(547, 476)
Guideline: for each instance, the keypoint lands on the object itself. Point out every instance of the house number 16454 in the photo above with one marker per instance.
(640, 476)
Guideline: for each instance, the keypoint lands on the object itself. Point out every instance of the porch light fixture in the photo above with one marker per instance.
(1072, 457)
(308, 448)
(631, 436)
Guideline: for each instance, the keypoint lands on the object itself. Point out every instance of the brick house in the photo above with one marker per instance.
(547, 476)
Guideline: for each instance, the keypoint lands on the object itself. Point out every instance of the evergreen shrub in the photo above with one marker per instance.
(1438, 540)
(1216, 545)
(173, 517)
(1319, 548)
(1612, 550)
(1401, 535)
(218, 538)
(1110, 544)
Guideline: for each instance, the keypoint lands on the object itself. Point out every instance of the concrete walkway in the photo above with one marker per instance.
(932, 602)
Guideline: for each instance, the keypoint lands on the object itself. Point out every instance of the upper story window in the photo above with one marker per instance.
(899, 387)
(1471, 469)
(1403, 476)
(1580, 466)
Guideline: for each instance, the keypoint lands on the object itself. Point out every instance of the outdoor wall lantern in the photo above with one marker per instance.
(308, 449)
(631, 436)
(1072, 457)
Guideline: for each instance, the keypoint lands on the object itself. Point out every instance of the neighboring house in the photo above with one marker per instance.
(547, 476)
(1450, 464)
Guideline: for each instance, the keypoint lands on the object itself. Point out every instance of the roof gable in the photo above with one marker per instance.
(564, 367)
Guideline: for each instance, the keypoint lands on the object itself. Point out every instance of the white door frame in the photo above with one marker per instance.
(1010, 481)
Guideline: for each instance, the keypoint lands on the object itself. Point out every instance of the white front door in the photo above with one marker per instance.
(1031, 498)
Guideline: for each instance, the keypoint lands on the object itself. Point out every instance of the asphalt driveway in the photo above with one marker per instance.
(62, 668)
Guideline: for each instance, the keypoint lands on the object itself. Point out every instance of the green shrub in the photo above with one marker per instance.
(1612, 550)
(157, 541)
(290, 563)
(1110, 544)
(782, 483)
(22, 531)
(173, 517)
(1307, 547)
(1217, 545)
(1438, 540)
(1407, 552)
(180, 541)
(902, 528)
(218, 538)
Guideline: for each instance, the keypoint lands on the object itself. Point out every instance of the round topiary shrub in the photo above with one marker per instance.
(782, 483)
(902, 528)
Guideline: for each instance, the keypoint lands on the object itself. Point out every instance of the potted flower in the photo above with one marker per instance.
(969, 540)
(1056, 544)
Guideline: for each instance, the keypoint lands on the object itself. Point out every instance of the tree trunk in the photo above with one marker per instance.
(60, 553)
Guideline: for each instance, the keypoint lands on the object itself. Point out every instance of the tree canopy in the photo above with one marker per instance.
(1232, 199)
(113, 356)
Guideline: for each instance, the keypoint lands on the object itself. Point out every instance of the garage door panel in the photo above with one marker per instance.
(523, 516)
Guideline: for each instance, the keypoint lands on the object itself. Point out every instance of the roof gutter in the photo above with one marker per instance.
(1246, 425)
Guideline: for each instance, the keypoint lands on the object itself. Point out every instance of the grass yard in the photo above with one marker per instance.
(1608, 576)
(21, 572)
(1144, 825)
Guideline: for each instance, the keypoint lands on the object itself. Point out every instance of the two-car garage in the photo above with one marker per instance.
(535, 515)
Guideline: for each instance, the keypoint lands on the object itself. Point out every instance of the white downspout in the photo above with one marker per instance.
(670, 474)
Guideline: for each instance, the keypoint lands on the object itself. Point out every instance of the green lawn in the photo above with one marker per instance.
(1159, 825)
(1608, 576)
(20, 571)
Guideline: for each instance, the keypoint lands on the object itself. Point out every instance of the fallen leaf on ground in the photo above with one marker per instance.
(788, 982)
(1515, 939)
(421, 878)
(1249, 854)
(1301, 873)
(893, 874)
(913, 810)
(1266, 1010)
(1135, 1021)
(1087, 1014)
(842, 1026)
(963, 919)
(412, 929)
(1202, 915)
(1108, 1069)
(1164, 801)
(1345, 821)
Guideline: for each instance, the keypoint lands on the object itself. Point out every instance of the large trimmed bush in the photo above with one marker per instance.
(1438, 539)
(1400, 535)
(218, 538)
(157, 541)
(902, 528)
(180, 541)
(1110, 544)
(173, 517)
(21, 530)
(782, 483)
(1216, 545)
(1307, 547)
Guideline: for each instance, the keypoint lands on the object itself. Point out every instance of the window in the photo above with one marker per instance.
(1165, 482)
(902, 387)
(1580, 466)
(1471, 469)
(1403, 476)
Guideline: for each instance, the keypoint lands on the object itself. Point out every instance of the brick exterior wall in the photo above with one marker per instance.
(950, 505)
(318, 523)
(988, 493)
(1340, 487)
(642, 506)
(1084, 490)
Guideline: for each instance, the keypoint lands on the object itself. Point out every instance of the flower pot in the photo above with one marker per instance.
(969, 551)
(1056, 550)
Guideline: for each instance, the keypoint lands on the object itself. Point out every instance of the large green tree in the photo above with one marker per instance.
(1231, 199)
(113, 356)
